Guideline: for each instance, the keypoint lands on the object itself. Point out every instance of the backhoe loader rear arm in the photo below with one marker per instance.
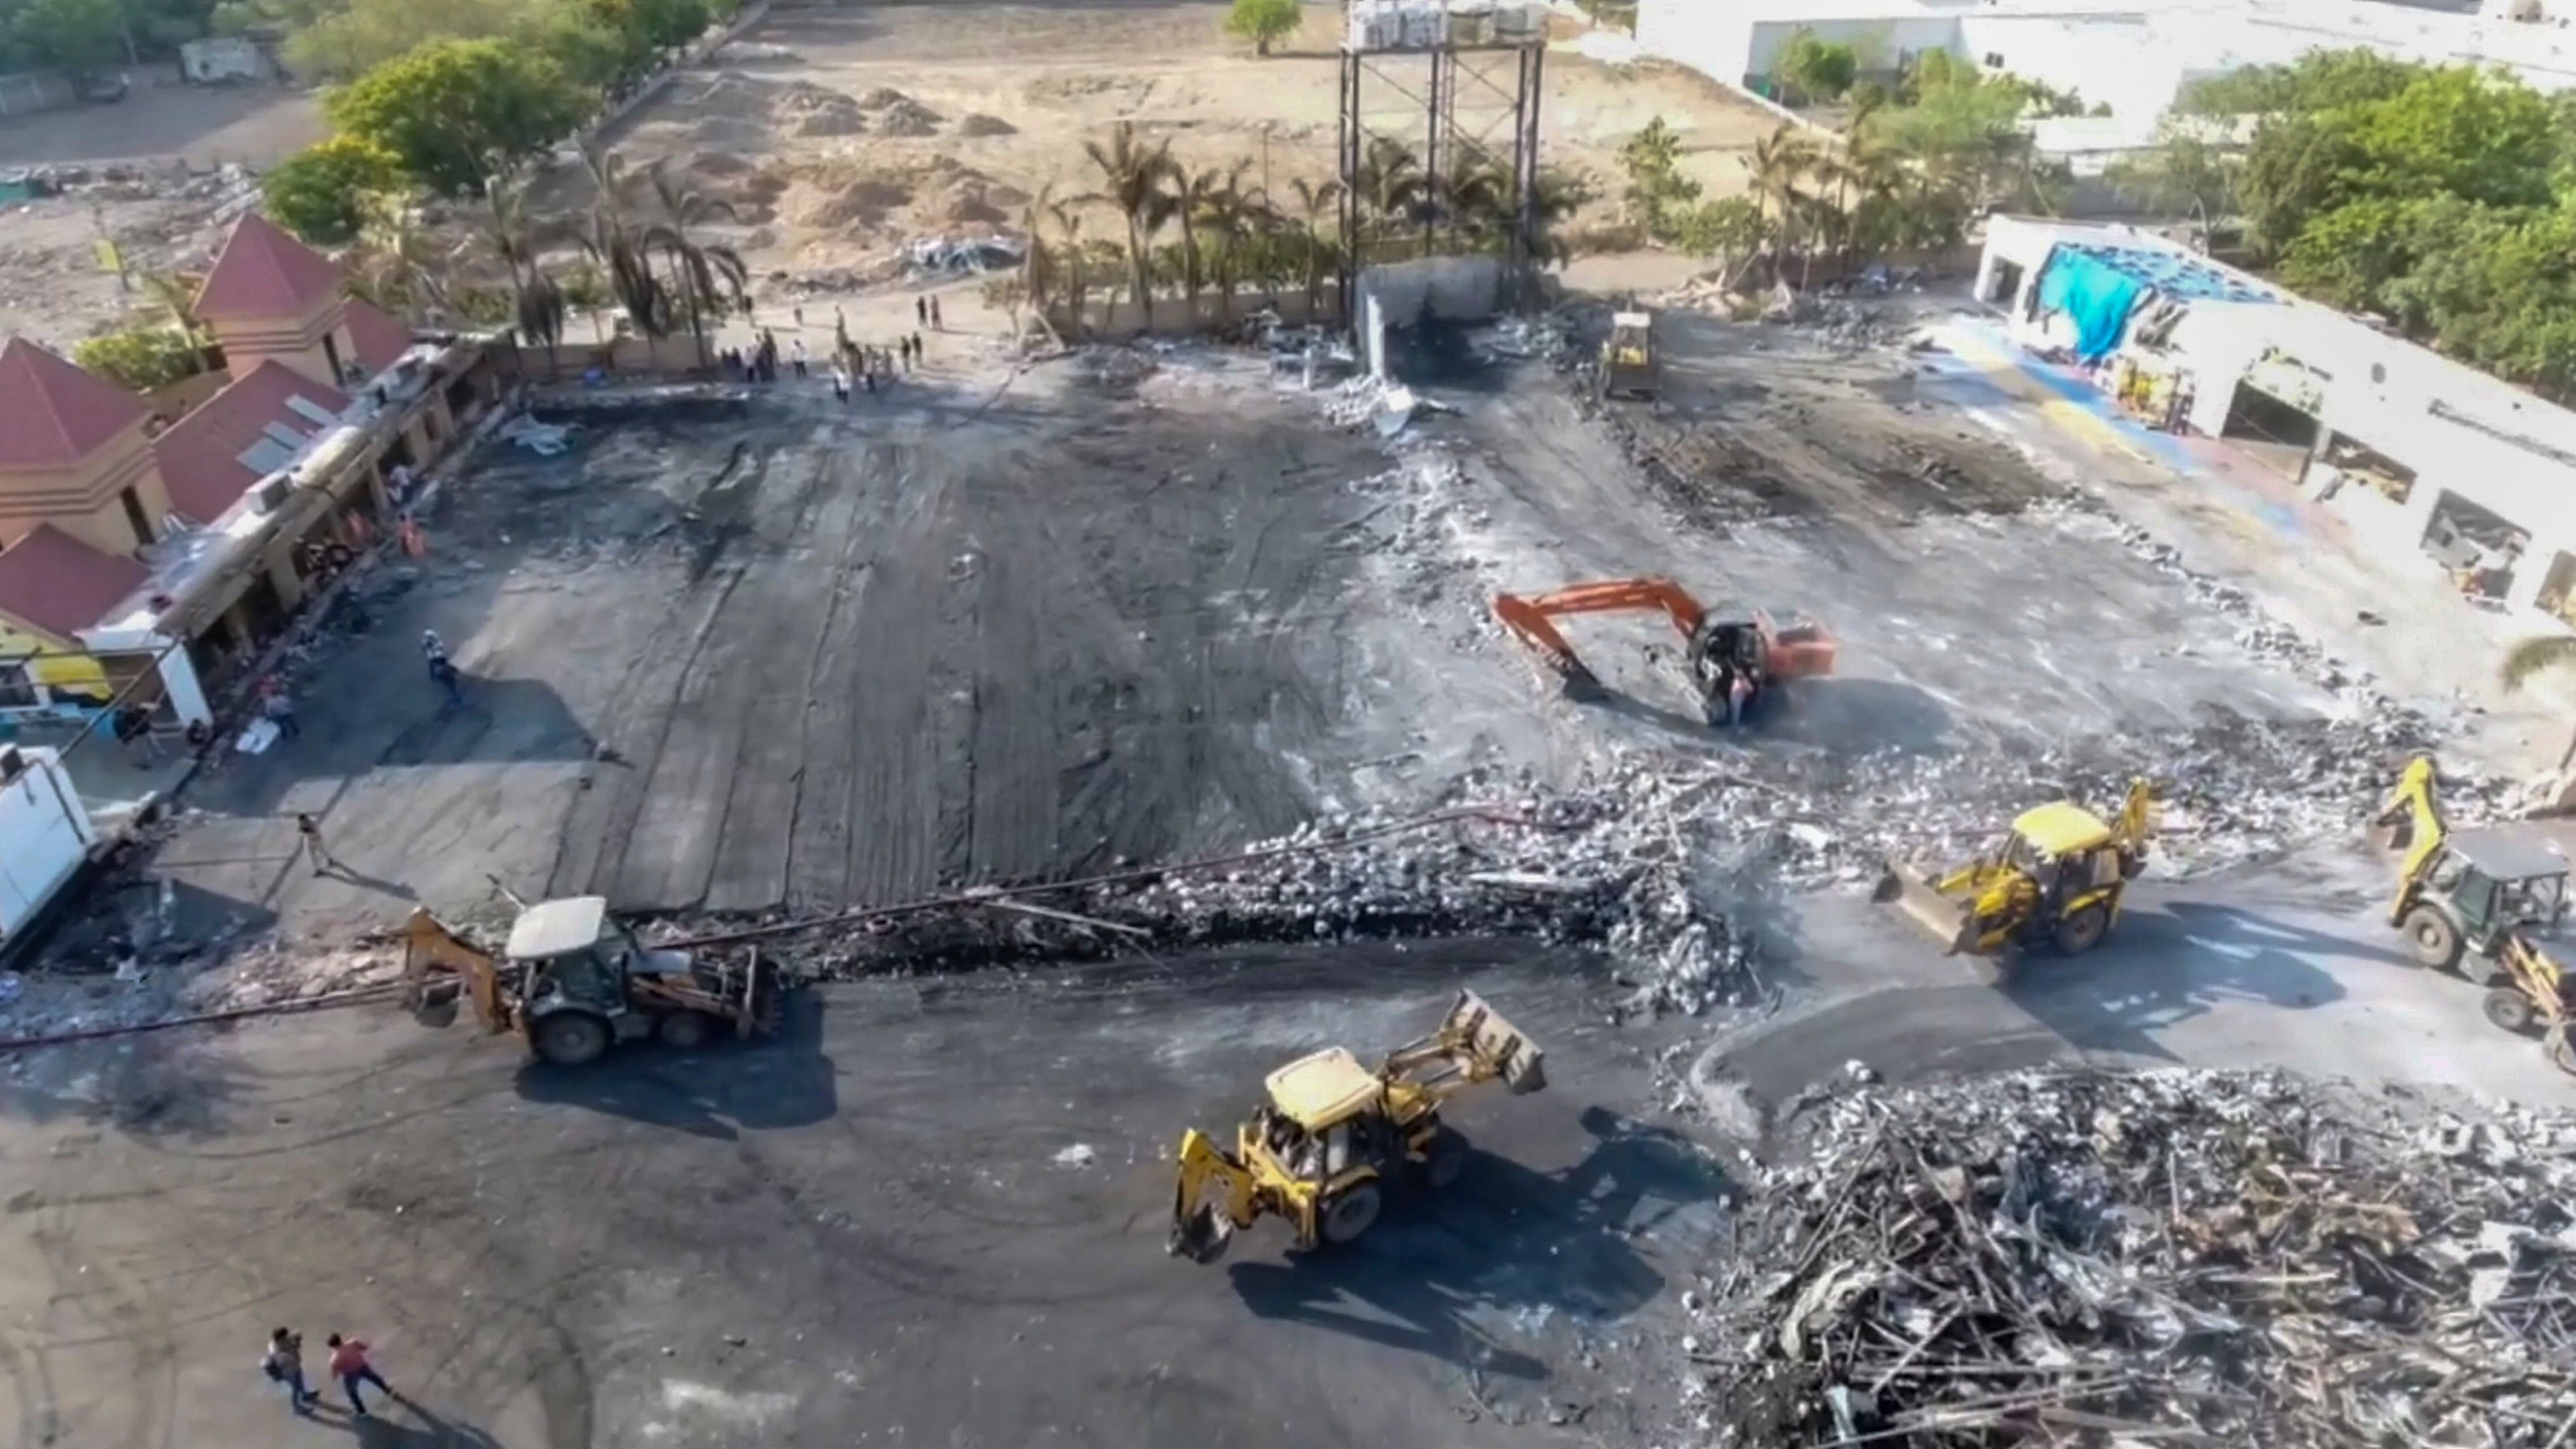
(2415, 808)
(1212, 1197)
(429, 947)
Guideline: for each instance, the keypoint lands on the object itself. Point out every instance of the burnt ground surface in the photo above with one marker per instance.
(933, 1213)
(737, 657)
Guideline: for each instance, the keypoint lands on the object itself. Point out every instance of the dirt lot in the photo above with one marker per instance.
(842, 132)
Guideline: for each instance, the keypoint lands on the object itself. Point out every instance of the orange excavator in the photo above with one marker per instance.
(1733, 660)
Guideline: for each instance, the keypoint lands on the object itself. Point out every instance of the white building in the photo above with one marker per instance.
(2430, 463)
(45, 835)
(2133, 56)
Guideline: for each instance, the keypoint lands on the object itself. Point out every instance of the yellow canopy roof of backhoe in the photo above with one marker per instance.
(1320, 1090)
(2064, 828)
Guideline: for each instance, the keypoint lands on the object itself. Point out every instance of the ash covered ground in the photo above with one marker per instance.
(1101, 617)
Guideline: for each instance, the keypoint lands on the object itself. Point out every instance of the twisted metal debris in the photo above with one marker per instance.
(2083, 1257)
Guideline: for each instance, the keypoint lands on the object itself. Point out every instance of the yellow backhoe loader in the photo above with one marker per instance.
(2472, 902)
(573, 981)
(2057, 879)
(1331, 1133)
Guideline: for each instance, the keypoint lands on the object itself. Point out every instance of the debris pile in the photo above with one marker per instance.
(2085, 1257)
(1588, 868)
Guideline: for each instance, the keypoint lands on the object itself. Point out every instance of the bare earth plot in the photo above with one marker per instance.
(838, 133)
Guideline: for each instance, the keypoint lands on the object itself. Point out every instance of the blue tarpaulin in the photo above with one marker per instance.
(2094, 294)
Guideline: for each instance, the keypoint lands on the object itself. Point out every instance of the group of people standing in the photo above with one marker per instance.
(854, 366)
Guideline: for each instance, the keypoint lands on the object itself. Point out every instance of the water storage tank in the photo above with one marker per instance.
(1471, 22)
(1367, 25)
(1426, 24)
(1519, 20)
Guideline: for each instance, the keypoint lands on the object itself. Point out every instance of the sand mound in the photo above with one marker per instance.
(970, 204)
(1002, 194)
(832, 123)
(718, 163)
(882, 97)
(860, 204)
(976, 123)
(908, 118)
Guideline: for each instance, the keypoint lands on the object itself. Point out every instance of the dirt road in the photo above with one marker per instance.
(934, 1213)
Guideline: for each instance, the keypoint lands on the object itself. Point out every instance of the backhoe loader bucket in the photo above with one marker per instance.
(1918, 895)
(1495, 1043)
(1211, 1192)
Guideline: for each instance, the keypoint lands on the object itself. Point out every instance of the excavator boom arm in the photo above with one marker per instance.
(1533, 619)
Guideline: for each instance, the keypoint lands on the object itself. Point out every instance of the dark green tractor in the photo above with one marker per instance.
(2475, 891)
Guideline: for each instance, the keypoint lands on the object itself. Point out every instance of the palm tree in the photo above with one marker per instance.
(1132, 182)
(615, 243)
(1391, 185)
(1778, 163)
(2535, 656)
(537, 303)
(707, 277)
(1197, 201)
(1234, 215)
(1477, 199)
(401, 268)
(1038, 264)
(1313, 200)
(1077, 279)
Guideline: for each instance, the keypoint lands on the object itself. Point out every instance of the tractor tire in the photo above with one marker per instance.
(2435, 939)
(570, 1038)
(2509, 1009)
(682, 1031)
(2082, 931)
(2562, 1054)
(1351, 1213)
(1444, 1159)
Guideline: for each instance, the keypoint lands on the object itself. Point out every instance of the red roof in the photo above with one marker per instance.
(60, 584)
(381, 339)
(263, 272)
(52, 414)
(201, 454)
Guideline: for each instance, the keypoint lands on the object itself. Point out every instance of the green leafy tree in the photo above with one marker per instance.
(1657, 195)
(1724, 232)
(73, 35)
(1263, 21)
(2188, 172)
(322, 193)
(1814, 71)
(445, 111)
(142, 358)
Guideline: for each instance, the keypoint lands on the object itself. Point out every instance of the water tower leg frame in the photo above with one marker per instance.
(1457, 78)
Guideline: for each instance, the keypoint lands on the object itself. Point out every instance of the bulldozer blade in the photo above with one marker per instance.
(1914, 893)
(1491, 1039)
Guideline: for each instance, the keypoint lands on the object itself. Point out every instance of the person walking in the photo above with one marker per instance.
(280, 710)
(798, 313)
(921, 311)
(796, 351)
(935, 324)
(443, 672)
(309, 830)
(349, 1365)
(284, 1364)
(840, 383)
(917, 350)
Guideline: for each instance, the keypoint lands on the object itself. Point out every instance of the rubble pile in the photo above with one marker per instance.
(2084, 1257)
(1604, 869)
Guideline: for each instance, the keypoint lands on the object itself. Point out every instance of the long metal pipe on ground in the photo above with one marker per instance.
(979, 896)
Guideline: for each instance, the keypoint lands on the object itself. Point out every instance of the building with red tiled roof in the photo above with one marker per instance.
(58, 585)
(271, 296)
(253, 428)
(73, 454)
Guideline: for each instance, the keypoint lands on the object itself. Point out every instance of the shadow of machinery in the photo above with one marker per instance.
(2162, 967)
(717, 1091)
(1501, 1240)
(1840, 715)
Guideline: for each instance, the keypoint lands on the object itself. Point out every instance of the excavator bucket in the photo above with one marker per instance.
(1920, 896)
(1486, 1040)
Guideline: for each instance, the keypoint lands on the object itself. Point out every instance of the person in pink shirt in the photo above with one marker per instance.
(349, 1365)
